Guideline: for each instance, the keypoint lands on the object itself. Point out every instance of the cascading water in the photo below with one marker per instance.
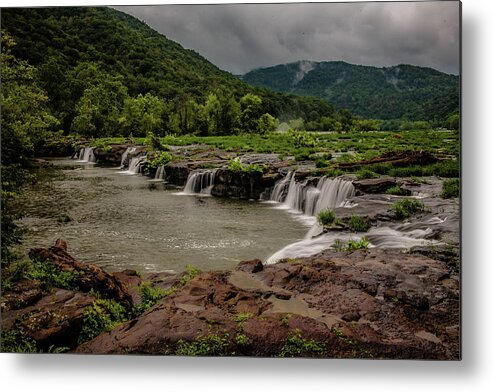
(397, 237)
(86, 155)
(200, 182)
(129, 150)
(135, 165)
(279, 191)
(332, 193)
(310, 200)
(160, 174)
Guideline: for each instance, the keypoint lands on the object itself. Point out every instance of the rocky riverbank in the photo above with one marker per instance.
(363, 304)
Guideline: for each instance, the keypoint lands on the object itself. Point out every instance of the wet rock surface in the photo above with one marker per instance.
(379, 304)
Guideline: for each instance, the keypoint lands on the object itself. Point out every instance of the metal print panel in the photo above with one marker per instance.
(264, 180)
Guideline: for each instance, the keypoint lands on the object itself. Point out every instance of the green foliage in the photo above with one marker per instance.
(357, 223)
(149, 297)
(237, 167)
(451, 188)
(210, 345)
(153, 142)
(365, 174)
(297, 346)
(285, 319)
(353, 245)
(398, 191)
(403, 91)
(326, 217)
(242, 317)
(406, 207)
(102, 316)
(301, 138)
(191, 272)
(44, 271)
(16, 341)
(160, 158)
(242, 340)
(143, 115)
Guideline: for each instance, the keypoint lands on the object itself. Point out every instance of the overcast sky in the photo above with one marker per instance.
(241, 37)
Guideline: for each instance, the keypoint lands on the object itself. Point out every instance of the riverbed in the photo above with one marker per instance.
(120, 221)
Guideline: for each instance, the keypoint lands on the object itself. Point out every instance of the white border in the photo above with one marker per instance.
(101, 373)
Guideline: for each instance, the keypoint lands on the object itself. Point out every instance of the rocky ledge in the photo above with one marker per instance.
(363, 304)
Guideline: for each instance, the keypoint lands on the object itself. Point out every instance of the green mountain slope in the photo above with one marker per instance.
(58, 40)
(402, 91)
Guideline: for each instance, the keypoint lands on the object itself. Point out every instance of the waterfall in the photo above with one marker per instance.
(160, 173)
(129, 150)
(278, 193)
(135, 165)
(86, 155)
(200, 182)
(381, 237)
(310, 200)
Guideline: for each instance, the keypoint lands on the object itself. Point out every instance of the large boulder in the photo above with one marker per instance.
(375, 185)
(87, 276)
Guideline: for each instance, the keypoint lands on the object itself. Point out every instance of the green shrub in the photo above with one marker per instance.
(326, 217)
(149, 297)
(153, 142)
(204, 345)
(396, 190)
(102, 316)
(192, 272)
(365, 174)
(353, 245)
(237, 167)
(357, 223)
(451, 188)
(160, 158)
(406, 207)
(16, 341)
(301, 138)
(242, 340)
(297, 346)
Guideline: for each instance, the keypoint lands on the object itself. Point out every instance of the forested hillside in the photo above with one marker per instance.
(402, 91)
(114, 55)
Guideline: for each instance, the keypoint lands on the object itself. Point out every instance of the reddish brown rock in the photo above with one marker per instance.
(89, 277)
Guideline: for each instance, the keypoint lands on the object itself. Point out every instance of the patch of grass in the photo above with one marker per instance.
(450, 188)
(326, 217)
(192, 272)
(242, 317)
(404, 208)
(44, 271)
(396, 190)
(210, 345)
(242, 340)
(285, 319)
(102, 316)
(356, 351)
(357, 223)
(297, 346)
(365, 174)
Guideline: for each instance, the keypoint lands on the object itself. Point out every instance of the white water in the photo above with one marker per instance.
(332, 193)
(134, 165)
(129, 150)
(86, 155)
(382, 237)
(160, 173)
(310, 200)
(199, 183)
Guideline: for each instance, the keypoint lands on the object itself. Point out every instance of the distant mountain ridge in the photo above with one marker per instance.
(401, 91)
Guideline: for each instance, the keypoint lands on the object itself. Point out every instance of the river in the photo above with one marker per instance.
(123, 221)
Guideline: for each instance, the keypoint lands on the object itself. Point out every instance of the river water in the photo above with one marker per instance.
(123, 221)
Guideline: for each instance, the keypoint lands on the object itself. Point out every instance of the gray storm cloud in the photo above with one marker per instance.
(241, 37)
